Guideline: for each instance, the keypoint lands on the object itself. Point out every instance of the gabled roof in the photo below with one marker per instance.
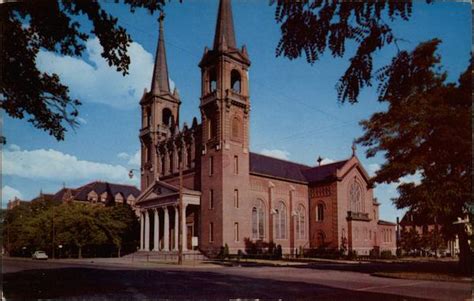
(58, 196)
(101, 187)
(324, 172)
(162, 190)
(278, 168)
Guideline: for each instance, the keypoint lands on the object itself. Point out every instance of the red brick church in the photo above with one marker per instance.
(231, 194)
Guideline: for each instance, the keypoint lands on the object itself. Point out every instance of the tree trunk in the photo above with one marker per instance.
(465, 255)
(79, 254)
(118, 253)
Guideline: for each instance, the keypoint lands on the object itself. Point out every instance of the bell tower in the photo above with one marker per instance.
(160, 113)
(225, 107)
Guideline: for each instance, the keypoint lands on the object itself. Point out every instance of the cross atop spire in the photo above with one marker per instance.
(224, 36)
(160, 82)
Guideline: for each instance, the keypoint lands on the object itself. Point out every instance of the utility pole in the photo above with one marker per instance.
(181, 213)
(53, 233)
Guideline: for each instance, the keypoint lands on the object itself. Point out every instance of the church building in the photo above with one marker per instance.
(231, 195)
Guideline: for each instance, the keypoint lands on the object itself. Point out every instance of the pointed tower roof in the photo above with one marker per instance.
(224, 36)
(160, 82)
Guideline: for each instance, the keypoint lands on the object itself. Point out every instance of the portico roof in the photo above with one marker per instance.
(161, 193)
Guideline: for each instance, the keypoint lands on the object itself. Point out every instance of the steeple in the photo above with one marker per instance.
(225, 36)
(160, 82)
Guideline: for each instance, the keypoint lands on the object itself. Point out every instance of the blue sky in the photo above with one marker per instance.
(295, 113)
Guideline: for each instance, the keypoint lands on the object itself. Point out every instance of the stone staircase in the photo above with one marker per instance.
(189, 255)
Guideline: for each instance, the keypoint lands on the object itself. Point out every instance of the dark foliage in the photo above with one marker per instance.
(425, 131)
(312, 27)
(31, 26)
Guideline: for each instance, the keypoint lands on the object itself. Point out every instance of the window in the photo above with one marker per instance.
(235, 81)
(258, 220)
(211, 232)
(280, 221)
(148, 116)
(355, 197)
(171, 162)
(212, 80)
(211, 199)
(166, 116)
(300, 222)
(236, 128)
(236, 165)
(211, 166)
(210, 128)
(236, 198)
(320, 212)
(236, 231)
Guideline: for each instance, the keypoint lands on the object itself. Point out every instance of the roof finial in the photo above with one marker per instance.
(354, 148)
(160, 81)
(320, 160)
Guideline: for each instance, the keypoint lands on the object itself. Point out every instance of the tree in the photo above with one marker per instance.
(313, 27)
(425, 131)
(410, 241)
(31, 26)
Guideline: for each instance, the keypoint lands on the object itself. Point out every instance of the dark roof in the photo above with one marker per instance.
(283, 169)
(101, 187)
(385, 223)
(323, 172)
(276, 167)
(58, 196)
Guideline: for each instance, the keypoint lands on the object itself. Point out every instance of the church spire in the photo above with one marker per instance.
(224, 36)
(160, 82)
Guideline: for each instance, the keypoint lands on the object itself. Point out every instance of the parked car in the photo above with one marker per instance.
(40, 255)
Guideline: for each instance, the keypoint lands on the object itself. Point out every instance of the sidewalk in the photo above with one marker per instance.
(123, 261)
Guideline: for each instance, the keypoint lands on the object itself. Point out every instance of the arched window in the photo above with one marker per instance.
(258, 220)
(300, 222)
(355, 197)
(148, 116)
(236, 128)
(280, 221)
(166, 116)
(235, 81)
(320, 212)
(212, 80)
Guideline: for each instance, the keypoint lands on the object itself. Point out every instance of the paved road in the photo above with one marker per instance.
(29, 279)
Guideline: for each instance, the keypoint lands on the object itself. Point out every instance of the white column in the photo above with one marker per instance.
(142, 228)
(147, 231)
(166, 235)
(156, 241)
(185, 235)
(176, 228)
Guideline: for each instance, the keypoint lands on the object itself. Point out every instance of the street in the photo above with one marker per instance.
(92, 279)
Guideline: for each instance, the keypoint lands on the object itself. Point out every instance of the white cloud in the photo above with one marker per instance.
(14, 147)
(326, 161)
(134, 159)
(373, 168)
(95, 81)
(54, 165)
(9, 193)
(276, 153)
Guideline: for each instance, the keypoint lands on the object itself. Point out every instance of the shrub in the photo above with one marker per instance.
(352, 255)
(386, 254)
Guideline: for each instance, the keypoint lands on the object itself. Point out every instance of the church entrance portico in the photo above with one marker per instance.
(160, 215)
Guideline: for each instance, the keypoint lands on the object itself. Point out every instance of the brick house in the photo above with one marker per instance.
(231, 194)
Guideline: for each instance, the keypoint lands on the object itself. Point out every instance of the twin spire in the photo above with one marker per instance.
(160, 83)
(224, 38)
